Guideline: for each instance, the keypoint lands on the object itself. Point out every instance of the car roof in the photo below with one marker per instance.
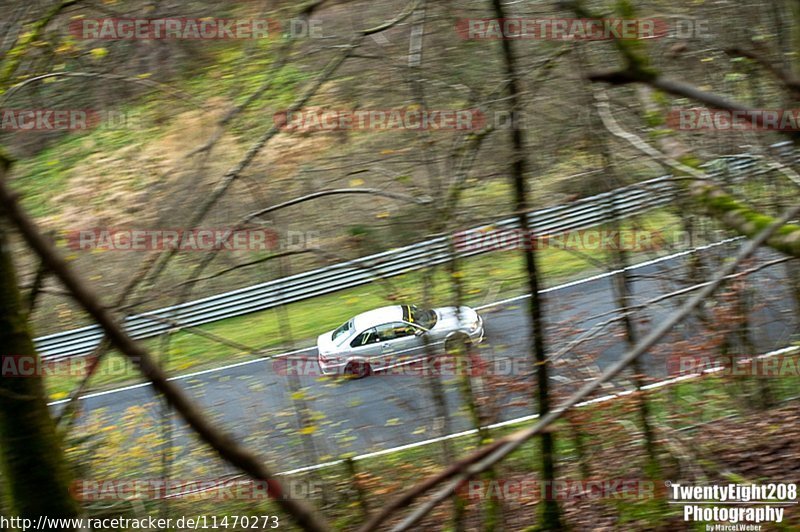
(371, 318)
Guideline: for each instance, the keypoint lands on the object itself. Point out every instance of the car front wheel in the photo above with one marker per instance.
(357, 369)
(456, 342)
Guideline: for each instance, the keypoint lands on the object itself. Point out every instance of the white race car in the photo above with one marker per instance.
(395, 335)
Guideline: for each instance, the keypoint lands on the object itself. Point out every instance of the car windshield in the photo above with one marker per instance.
(423, 317)
(343, 331)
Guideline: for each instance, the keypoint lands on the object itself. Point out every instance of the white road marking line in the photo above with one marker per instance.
(523, 419)
(611, 273)
(186, 376)
(482, 307)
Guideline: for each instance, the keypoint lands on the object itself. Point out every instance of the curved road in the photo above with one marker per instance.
(253, 402)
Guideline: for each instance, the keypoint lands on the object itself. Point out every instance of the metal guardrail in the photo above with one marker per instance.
(580, 214)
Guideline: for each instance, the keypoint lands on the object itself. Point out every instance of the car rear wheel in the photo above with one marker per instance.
(357, 369)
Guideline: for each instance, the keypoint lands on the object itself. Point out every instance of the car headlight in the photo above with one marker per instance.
(473, 326)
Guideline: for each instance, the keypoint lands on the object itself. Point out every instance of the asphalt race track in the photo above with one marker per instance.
(254, 403)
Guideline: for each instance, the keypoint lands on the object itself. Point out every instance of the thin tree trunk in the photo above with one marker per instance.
(746, 347)
(624, 300)
(551, 513)
(621, 284)
(794, 41)
(578, 441)
(492, 514)
(34, 466)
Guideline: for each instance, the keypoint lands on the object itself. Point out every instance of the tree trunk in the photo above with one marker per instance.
(551, 514)
(34, 467)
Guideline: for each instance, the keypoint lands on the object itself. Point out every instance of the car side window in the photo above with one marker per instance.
(394, 330)
(365, 338)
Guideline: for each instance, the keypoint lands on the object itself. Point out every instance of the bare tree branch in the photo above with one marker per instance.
(222, 443)
(227, 180)
(730, 212)
(789, 81)
(177, 93)
(14, 56)
(423, 200)
(481, 461)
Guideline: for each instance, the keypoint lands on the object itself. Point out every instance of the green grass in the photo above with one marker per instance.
(234, 73)
(700, 400)
(486, 278)
(703, 399)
